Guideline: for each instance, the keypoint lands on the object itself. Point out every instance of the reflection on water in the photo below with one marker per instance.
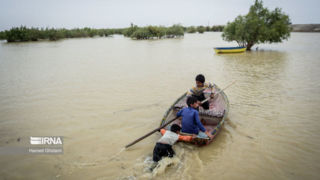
(102, 93)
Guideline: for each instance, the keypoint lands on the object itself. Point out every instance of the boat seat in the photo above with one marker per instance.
(202, 112)
(214, 111)
(211, 113)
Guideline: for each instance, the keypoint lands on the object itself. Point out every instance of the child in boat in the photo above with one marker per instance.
(164, 144)
(190, 120)
(197, 91)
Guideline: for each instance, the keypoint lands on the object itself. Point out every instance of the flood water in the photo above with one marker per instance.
(102, 93)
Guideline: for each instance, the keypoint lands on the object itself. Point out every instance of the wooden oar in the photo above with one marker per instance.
(217, 92)
(134, 142)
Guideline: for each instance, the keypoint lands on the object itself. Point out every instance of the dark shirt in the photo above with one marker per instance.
(190, 121)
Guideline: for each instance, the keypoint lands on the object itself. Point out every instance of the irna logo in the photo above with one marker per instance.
(54, 140)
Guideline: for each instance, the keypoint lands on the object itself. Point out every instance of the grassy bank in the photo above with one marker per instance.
(24, 34)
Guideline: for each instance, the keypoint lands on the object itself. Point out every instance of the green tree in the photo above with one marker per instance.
(201, 29)
(54, 34)
(259, 26)
(33, 34)
(22, 33)
(141, 33)
(191, 29)
(2, 35)
(218, 28)
(129, 31)
(155, 31)
(17, 34)
(175, 30)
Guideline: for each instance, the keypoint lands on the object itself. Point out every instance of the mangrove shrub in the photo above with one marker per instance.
(259, 26)
(22, 33)
(151, 32)
(201, 29)
(191, 29)
(175, 31)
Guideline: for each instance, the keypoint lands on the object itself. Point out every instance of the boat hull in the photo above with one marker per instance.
(212, 119)
(230, 50)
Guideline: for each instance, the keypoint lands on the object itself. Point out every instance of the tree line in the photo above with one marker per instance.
(260, 25)
(23, 33)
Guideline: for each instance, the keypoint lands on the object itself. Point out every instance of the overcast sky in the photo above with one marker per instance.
(120, 13)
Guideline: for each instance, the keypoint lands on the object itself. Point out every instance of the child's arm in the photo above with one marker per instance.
(181, 138)
(185, 138)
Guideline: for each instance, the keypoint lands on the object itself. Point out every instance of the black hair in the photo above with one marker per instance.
(175, 128)
(200, 78)
(191, 100)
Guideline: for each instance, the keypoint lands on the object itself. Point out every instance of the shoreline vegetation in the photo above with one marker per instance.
(25, 34)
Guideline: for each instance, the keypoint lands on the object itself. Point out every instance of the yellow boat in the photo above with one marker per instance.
(229, 49)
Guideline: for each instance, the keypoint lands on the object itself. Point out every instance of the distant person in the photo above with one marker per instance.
(197, 91)
(163, 146)
(190, 120)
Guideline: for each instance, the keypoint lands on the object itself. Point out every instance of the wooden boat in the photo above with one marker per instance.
(212, 119)
(229, 49)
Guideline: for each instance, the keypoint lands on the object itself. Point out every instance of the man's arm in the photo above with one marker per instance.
(199, 124)
(179, 113)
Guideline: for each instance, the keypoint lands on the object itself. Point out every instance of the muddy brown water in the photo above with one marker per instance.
(102, 93)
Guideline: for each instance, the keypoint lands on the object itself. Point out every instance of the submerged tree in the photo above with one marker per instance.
(175, 31)
(129, 31)
(259, 26)
(22, 33)
(191, 29)
(218, 28)
(201, 29)
(2, 35)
